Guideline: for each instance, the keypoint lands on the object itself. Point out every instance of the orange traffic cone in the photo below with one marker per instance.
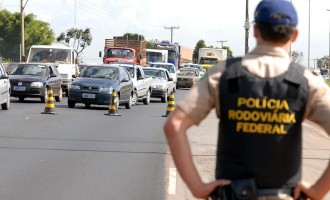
(170, 105)
(113, 107)
(49, 106)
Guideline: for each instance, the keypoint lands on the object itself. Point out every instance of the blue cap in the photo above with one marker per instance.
(276, 12)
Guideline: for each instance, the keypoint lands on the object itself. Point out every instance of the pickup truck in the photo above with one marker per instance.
(142, 84)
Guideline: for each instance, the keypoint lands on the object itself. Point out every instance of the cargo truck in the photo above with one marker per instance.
(124, 49)
(157, 55)
(210, 56)
(176, 52)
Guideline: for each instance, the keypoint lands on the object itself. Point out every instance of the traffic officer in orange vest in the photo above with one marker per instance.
(261, 100)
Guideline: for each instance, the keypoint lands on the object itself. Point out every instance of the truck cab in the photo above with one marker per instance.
(62, 56)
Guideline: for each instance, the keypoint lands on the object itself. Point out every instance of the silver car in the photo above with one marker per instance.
(4, 89)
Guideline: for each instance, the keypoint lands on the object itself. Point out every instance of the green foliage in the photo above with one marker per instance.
(133, 35)
(150, 44)
(229, 52)
(297, 56)
(78, 39)
(200, 44)
(323, 62)
(36, 33)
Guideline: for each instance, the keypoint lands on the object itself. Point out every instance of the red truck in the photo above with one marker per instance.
(125, 49)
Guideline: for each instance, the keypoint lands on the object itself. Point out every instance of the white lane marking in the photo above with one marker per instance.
(172, 181)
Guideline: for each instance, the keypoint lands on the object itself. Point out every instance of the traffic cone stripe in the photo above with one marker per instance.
(170, 105)
(49, 106)
(113, 109)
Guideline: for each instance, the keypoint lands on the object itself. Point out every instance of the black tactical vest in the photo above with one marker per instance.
(260, 131)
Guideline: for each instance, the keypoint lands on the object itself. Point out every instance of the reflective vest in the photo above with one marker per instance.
(260, 128)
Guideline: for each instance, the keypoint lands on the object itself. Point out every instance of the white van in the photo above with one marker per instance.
(64, 57)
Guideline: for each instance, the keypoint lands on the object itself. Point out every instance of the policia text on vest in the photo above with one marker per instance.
(269, 116)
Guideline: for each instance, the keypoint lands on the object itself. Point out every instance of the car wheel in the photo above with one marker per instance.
(146, 100)
(45, 97)
(87, 105)
(128, 104)
(134, 98)
(5, 106)
(174, 89)
(21, 99)
(164, 99)
(60, 95)
(71, 103)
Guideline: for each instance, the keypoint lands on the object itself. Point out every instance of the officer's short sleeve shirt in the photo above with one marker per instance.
(263, 61)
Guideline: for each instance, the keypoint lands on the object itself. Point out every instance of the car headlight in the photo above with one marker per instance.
(75, 87)
(37, 84)
(160, 87)
(105, 89)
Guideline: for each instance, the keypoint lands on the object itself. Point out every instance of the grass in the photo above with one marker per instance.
(328, 83)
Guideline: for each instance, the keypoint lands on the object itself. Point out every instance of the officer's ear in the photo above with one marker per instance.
(294, 35)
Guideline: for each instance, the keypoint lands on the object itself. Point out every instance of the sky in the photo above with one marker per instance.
(208, 20)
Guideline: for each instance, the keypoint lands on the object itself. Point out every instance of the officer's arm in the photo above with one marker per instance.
(318, 190)
(175, 129)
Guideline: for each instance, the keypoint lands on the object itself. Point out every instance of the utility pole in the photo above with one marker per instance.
(314, 61)
(22, 54)
(172, 27)
(247, 27)
(329, 44)
(222, 41)
(309, 32)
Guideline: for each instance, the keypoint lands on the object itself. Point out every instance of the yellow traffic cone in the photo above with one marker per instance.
(49, 106)
(170, 105)
(113, 107)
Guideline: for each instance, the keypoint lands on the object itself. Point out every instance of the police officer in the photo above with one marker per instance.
(261, 100)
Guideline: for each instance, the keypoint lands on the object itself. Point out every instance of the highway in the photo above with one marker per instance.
(81, 153)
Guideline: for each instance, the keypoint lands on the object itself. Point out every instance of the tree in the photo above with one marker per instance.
(134, 35)
(297, 56)
(229, 52)
(200, 44)
(323, 62)
(78, 39)
(36, 33)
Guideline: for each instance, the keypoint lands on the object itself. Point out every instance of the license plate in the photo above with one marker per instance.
(88, 96)
(19, 88)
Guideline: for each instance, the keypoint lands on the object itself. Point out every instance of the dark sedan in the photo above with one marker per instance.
(95, 85)
(33, 80)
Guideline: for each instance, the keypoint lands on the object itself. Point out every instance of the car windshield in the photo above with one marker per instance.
(154, 73)
(184, 72)
(100, 72)
(169, 68)
(195, 66)
(36, 70)
(130, 70)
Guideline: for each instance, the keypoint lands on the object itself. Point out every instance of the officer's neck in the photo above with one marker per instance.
(285, 46)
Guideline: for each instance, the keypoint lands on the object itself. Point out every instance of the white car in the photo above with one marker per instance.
(170, 68)
(201, 70)
(4, 89)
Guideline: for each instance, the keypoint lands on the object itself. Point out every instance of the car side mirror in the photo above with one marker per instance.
(74, 76)
(170, 79)
(53, 75)
(125, 80)
(4, 76)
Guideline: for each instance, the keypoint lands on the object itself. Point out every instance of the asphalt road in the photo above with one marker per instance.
(81, 153)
